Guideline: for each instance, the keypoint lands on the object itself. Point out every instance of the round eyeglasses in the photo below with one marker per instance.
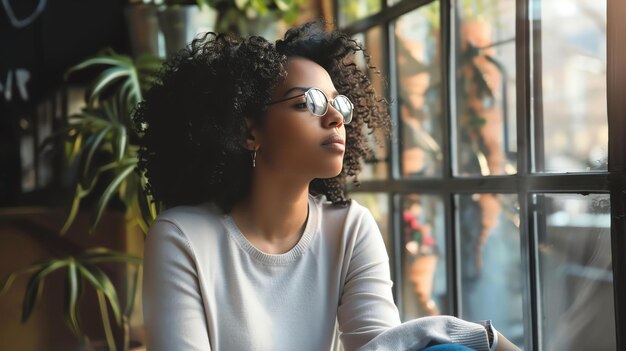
(317, 103)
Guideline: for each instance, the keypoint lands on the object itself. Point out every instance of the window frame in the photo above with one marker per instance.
(524, 183)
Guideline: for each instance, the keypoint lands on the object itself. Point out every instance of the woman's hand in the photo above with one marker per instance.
(505, 345)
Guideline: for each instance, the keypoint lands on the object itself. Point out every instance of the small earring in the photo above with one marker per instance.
(254, 158)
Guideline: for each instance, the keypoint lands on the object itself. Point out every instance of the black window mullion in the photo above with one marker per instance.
(524, 150)
(396, 220)
(447, 79)
(452, 252)
(393, 162)
(537, 149)
(452, 271)
(549, 183)
(394, 147)
(616, 109)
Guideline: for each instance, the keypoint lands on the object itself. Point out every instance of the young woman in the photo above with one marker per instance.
(248, 144)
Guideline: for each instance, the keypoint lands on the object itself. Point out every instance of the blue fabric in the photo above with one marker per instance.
(447, 347)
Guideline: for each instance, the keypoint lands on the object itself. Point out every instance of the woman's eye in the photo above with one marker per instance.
(301, 105)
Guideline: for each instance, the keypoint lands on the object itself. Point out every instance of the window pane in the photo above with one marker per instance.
(484, 55)
(490, 261)
(378, 204)
(418, 43)
(569, 90)
(375, 167)
(575, 272)
(352, 10)
(424, 287)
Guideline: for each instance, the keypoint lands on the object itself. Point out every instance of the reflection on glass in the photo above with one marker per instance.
(569, 91)
(484, 55)
(424, 287)
(575, 272)
(375, 166)
(352, 10)
(490, 261)
(418, 43)
(378, 204)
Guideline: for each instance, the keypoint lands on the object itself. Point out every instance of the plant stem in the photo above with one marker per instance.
(105, 321)
(126, 325)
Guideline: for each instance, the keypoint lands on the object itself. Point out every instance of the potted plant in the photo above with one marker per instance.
(179, 21)
(256, 17)
(162, 27)
(100, 149)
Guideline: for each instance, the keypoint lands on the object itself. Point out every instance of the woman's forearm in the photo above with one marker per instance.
(505, 345)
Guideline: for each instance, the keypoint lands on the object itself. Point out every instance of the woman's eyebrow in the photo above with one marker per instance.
(303, 89)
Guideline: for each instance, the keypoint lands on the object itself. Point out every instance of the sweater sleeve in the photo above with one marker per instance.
(174, 316)
(367, 316)
(366, 307)
(418, 333)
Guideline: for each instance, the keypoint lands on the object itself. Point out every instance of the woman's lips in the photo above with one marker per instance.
(335, 147)
(335, 143)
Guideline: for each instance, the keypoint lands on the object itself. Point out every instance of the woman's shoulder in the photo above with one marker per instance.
(192, 218)
(351, 212)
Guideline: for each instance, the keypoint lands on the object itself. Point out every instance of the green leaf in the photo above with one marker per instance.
(108, 192)
(127, 161)
(105, 321)
(74, 150)
(144, 207)
(72, 292)
(90, 116)
(35, 286)
(73, 210)
(136, 91)
(101, 282)
(121, 141)
(93, 145)
(102, 254)
(131, 292)
(108, 58)
(127, 93)
(6, 283)
(148, 63)
(104, 80)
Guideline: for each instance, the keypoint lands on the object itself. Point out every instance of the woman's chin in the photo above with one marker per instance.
(330, 173)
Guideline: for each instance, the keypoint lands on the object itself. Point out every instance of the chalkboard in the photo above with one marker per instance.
(39, 40)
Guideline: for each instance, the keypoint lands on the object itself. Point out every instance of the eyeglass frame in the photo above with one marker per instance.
(328, 103)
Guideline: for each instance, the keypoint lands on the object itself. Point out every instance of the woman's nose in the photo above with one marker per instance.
(332, 118)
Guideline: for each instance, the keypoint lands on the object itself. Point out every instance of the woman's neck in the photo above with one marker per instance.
(274, 215)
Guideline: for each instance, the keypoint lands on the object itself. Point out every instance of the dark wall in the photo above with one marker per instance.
(33, 58)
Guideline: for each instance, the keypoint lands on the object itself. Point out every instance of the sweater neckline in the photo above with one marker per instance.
(298, 250)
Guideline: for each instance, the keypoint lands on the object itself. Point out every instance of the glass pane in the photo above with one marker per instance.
(352, 10)
(569, 88)
(490, 261)
(575, 272)
(375, 167)
(484, 87)
(424, 288)
(378, 204)
(418, 43)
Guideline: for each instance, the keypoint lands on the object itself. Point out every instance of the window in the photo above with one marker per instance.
(501, 192)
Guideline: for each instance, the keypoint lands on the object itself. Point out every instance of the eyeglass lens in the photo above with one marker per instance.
(318, 104)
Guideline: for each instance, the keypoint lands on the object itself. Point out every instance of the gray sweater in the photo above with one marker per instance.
(206, 287)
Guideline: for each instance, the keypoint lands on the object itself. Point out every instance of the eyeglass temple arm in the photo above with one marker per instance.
(285, 99)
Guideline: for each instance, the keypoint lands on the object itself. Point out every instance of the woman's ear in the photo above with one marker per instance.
(251, 141)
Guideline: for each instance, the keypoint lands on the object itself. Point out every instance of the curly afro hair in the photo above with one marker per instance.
(192, 120)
